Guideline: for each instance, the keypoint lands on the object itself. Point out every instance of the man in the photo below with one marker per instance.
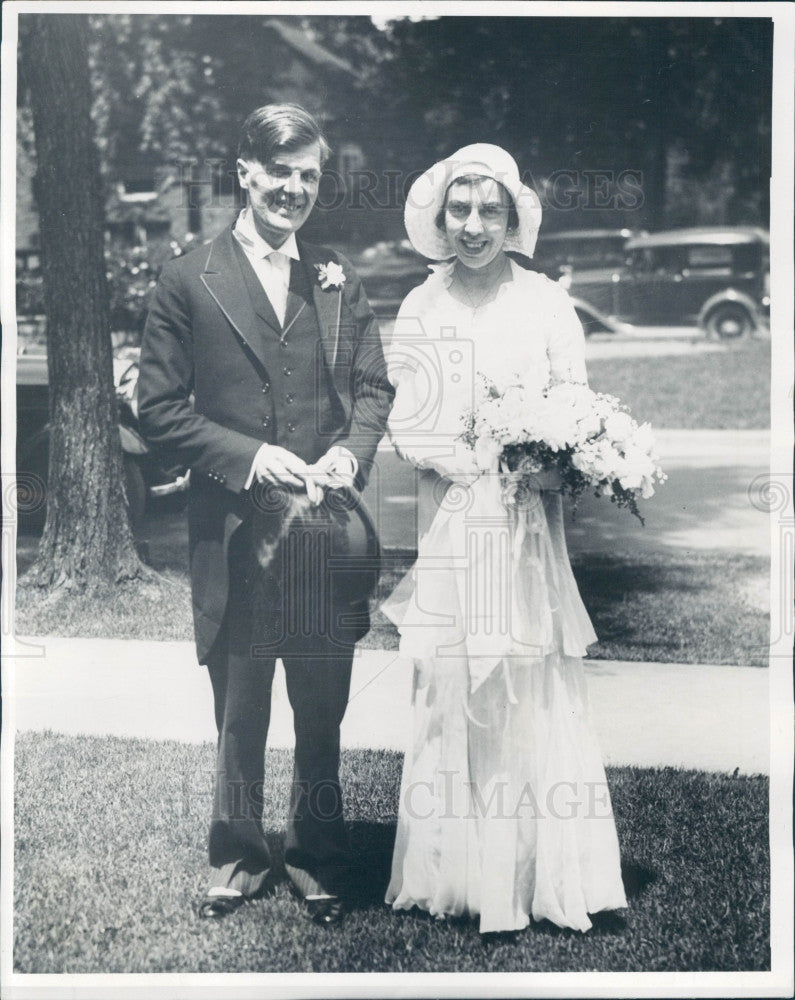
(275, 341)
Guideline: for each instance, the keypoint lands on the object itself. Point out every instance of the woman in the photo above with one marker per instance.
(504, 809)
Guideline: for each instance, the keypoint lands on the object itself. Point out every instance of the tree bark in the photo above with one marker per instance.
(87, 543)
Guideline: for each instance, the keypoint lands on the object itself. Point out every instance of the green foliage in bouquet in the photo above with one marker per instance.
(536, 457)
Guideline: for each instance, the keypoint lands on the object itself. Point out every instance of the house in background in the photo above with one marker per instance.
(152, 203)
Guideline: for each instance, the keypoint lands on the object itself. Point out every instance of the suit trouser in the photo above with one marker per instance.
(318, 685)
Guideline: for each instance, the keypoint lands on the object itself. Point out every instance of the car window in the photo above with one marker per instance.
(642, 261)
(583, 251)
(658, 260)
(709, 256)
(751, 258)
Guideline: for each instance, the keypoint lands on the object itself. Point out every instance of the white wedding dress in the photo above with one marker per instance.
(504, 810)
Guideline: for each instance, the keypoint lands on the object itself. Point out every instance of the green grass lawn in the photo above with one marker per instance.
(728, 388)
(706, 608)
(158, 610)
(658, 608)
(110, 863)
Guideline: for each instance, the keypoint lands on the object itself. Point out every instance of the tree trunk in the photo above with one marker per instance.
(87, 543)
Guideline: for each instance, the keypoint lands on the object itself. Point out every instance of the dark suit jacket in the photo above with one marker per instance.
(201, 340)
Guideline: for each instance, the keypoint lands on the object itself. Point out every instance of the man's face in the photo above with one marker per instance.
(282, 191)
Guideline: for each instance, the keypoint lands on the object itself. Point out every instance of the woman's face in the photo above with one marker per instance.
(476, 220)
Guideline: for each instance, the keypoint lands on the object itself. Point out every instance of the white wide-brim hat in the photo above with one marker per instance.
(426, 198)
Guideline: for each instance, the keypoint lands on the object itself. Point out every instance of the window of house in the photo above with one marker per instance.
(139, 185)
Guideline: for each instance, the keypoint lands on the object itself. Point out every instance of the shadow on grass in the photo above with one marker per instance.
(698, 609)
(636, 878)
(372, 845)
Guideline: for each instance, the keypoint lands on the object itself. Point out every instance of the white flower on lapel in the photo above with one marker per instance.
(330, 275)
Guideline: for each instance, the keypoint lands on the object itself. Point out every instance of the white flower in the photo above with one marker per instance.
(604, 444)
(330, 275)
(512, 411)
(619, 427)
(637, 469)
(643, 439)
(590, 425)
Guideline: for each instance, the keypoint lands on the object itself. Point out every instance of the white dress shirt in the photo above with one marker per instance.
(271, 266)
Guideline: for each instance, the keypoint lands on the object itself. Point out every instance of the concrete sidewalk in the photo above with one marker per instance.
(712, 718)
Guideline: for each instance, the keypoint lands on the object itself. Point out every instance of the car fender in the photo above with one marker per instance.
(730, 295)
(584, 308)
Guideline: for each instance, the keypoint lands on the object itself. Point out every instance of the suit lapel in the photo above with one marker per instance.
(224, 279)
(263, 306)
(298, 295)
(327, 302)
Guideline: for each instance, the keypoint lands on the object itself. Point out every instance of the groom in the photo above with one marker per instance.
(262, 369)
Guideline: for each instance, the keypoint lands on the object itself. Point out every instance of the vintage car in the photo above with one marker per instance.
(390, 269)
(715, 277)
(594, 250)
(145, 475)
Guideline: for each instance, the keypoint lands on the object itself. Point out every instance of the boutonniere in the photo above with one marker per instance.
(330, 275)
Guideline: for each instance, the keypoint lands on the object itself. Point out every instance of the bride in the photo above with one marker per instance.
(504, 808)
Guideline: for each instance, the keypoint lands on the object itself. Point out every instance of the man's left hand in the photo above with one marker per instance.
(335, 470)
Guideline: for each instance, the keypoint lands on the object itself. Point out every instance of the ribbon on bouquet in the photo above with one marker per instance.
(503, 591)
(514, 596)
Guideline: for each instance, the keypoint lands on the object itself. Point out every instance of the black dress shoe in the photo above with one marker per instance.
(323, 908)
(218, 907)
(327, 911)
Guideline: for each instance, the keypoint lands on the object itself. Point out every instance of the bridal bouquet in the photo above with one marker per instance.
(588, 437)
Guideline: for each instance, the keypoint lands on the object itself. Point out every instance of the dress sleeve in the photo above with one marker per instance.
(566, 340)
(421, 428)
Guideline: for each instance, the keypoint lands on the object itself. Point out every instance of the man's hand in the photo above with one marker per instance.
(273, 464)
(277, 465)
(336, 469)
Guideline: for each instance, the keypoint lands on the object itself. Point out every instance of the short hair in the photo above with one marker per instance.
(279, 126)
(513, 215)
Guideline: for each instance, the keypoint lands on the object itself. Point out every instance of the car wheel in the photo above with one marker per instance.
(729, 321)
(135, 489)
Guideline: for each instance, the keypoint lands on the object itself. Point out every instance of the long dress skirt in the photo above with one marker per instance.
(504, 809)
